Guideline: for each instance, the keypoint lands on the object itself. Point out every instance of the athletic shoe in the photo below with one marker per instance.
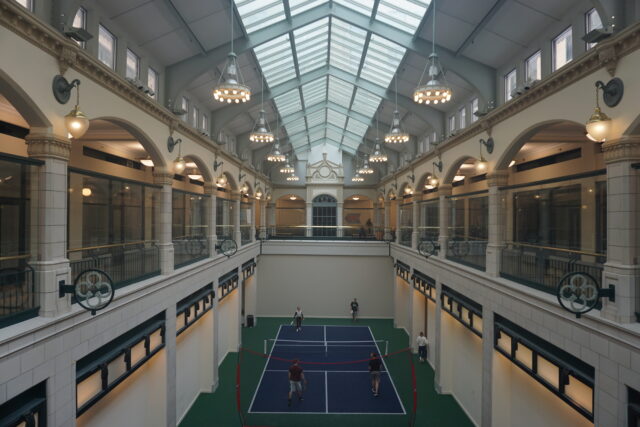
(376, 395)
(301, 398)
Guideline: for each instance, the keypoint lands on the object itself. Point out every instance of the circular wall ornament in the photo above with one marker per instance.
(578, 292)
(93, 290)
(228, 247)
(428, 248)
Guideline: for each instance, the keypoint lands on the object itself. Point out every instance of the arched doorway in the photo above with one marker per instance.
(324, 216)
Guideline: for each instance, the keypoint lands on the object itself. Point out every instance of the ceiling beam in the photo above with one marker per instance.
(483, 23)
(176, 13)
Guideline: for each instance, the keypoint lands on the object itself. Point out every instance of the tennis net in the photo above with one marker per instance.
(302, 347)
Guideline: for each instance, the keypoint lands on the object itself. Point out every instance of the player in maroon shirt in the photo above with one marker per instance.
(296, 377)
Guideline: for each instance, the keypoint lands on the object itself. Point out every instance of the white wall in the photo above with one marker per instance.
(419, 315)
(431, 331)
(324, 285)
(250, 296)
(402, 295)
(461, 370)
(518, 397)
(138, 401)
(194, 363)
(229, 328)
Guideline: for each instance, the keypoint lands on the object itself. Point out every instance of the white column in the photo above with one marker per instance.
(623, 240)
(339, 218)
(163, 219)
(415, 234)
(49, 220)
(263, 219)
(444, 190)
(237, 234)
(398, 208)
(211, 208)
(387, 219)
(309, 219)
(497, 223)
(254, 202)
(171, 369)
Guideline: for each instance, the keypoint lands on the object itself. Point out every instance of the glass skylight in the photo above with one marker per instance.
(336, 118)
(405, 15)
(299, 6)
(315, 92)
(340, 92)
(257, 14)
(356, 127)
(350, 142)
(347, 43)
(363, 6)
(365, 102)
(295, 127)
(312, 42)
(381, 61)
(299, 141)
(316, 118)
(288, 103)
(334, 135)
(276, 60)
(316, 135)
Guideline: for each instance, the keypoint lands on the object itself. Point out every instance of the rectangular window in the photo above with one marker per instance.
(434, 138)
(533, 67)
(562, 49)
(133, 65)
(593, 22)
(205, 123)
(474, 109)
(106, 47)
(185, 108)
(194, 116)
(27, 4)
(152, 82)
(509, 85)
(462, 114)
(452, 123)
(80, 21)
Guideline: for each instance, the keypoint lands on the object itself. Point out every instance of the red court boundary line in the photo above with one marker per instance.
(302, 362)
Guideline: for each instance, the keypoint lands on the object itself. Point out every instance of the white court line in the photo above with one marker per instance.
(326, 394)
(387, 369)
(264, 370)
(330, 413)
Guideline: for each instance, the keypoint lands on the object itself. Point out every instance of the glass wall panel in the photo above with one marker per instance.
(429, 227)
(245, 223)
(406, 223)
(189, 227)
(224, 219)
(111, 227)
(17, 292)
(469, 230)
(358, 219)
(290, 217)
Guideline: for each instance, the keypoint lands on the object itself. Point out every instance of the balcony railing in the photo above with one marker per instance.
(125, 263)
(472, 253)
(299, 232)
(18, 300)
(224, 232)
(189, 249)
(245, 234)
(542, 267)
(405, 235)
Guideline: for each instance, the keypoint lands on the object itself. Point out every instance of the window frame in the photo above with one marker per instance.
(462, 117)
(563, 33)
(156, 78)
(588, 28)
(114, 46)
(452, 123)
(204, 123)
(83, 16)
(507, 78)
(184, 103)
(132, 55)
(537, 55)
(29, 5)
(475, 106)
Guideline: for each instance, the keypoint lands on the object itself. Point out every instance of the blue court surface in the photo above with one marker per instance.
(336, 366)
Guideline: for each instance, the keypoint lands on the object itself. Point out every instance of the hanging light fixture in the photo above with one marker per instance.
(357, 178)
(287, 168)
(434, 90)
(378, 156)
(396, 135)
(194, 174)
(231, 87)
(275, 155)
(179, 164)
(221, 181)
(365, 169)
(292, 177)
(261, 132)
(147, 161)
(599, 124)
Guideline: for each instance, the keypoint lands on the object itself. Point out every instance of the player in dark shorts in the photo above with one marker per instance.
(354, 309)
(374, 367)
(297, 318)
(296, 377)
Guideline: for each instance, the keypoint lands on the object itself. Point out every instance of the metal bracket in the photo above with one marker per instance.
(612, 91)
(241, 176)
(171, 143)
(64, 289)
(412, 177)
(62, 88)
(488, 144)
(438, 165)
(609, 293)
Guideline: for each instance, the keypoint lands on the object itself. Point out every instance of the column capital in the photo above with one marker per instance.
(48, 146)
(210, 189)
(444, 189)
(162, 177)
(622, 149)
(498, 178)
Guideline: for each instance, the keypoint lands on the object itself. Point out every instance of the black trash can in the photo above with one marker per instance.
(250, 321)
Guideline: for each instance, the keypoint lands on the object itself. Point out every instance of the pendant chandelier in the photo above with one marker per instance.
(231, 87)
(365, 169)
(292, 177)
(275, 155)
(357, 178)
(396, 135)
(378, 156)
(261, 131)
(434, 90)
(287, 168)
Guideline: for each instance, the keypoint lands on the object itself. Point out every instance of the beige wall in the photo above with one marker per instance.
(228, 330)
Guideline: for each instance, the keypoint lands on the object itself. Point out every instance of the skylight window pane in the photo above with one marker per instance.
(402, 14)
(300, 141)
(258, 14)
(365, 102)
(363, 6)
(382, 60)
(357, 127)
(312, 43)
(336, 119)
(347, 44)
(316, 135)
(288, 103)
(334, 135)
(316, 118)
(340, 92)
(350, 142)
(315, 92)
(276, 60)
(299, 6)
(296, 126)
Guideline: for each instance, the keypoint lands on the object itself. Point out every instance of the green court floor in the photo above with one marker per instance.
(219, 408)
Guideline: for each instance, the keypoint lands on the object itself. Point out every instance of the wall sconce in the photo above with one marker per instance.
(178, 164)
(241, 176)
(217, 164)
(221, 181)
(433, 181)
(412, 177)
(599, 124)
(76, 122)
(482, 163)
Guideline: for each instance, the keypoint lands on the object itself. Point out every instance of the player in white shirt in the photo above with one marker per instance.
(422, 346)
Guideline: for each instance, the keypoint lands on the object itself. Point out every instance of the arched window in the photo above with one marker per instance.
(324, 216)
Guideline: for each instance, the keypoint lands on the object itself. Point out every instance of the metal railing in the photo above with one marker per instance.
(189, 249)
(245, 234)
(303, 232)
(471, 252)
(405, 236)
(18, 300)
(224, 232)
(125, 263)
(542, 267)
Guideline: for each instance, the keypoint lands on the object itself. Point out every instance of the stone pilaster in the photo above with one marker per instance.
(309, 219)
(387, 219)
(623, 240)
(398, 209)
(339, 218)
(435, 346)
(216, 336)
(163, 220)
(415, 234)
(254, 202)
(211, 190)
(444, 190)
(49, 219)
(170, 347)
(497, 221)
(237, 234)
(263, 219)
(271, 218)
